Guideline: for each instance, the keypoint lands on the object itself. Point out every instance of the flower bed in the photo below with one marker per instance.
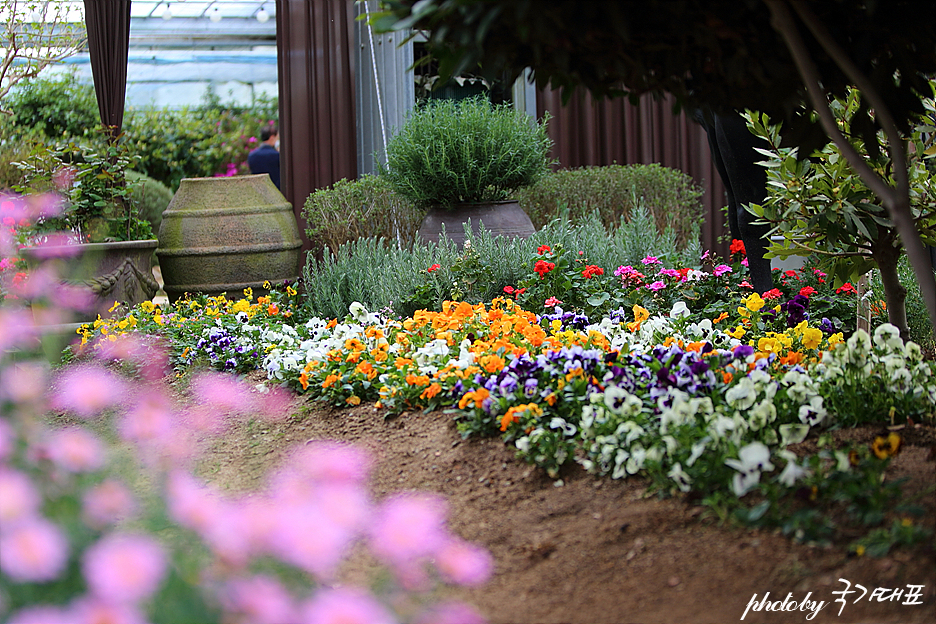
(704, 387)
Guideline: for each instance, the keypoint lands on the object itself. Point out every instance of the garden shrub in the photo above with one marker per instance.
(362, 208)
(614, 191)
(59, 107)
(151, 197)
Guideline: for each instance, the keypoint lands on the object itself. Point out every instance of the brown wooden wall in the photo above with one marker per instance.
(318, 146)
(588, 132)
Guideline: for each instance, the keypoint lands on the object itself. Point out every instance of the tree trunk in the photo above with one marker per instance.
(886, 256)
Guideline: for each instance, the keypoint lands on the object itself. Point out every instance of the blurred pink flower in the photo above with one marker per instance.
(192, 504)
(407, 527)
(651, 260)
(344, 606)
(106, 503)
(123, 567)
(552, 301)
(464, 564)
(307, 538)
(150, 419)
(93, 610)
(259, 599)
(721, 269)
(657, 285)
(87, 390)
(7, 440)
(75, 449)
(42, 615)
(145, 352)
(19, 498)
(16, 328)
(57, 245)
(33, 551)
(222, 393)
(331, 461)
(71, 297)
(451, 613)
(24, 382)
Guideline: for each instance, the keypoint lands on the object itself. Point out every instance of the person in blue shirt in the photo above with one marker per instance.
(266, 158)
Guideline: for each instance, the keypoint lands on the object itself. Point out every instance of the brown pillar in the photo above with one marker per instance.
(316, 97)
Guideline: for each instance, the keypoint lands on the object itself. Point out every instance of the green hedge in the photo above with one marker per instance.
(362, 208)
(613, 192)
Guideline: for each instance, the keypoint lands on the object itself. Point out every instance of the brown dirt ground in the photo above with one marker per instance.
(595, 550)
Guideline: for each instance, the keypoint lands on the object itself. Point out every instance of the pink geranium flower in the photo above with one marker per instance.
(651, 260)
(721, 269)
(657, 285)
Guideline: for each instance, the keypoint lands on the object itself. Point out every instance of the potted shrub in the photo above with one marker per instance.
(92, 228)
(462, 160)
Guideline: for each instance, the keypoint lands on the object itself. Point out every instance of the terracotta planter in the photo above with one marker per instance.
(222, 235)
(120, 271)
(504, 218)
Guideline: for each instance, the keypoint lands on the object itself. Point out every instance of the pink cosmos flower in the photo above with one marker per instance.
(123, 568)
(651, 260)
(75, 449)
(721, 269)
(451, 612)
(19, 498)
(464, 564)
(344, 606)
(222, 393)
(407, 527)
(72, 298)
(107, 503)
(33, 551)
(87, 390)
(259, 599)
(552, 301)
(657, 285)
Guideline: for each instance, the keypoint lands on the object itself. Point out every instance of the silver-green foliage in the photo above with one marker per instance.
(466, 151)
(380, 274)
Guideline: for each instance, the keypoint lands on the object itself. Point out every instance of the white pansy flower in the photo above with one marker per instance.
(792, 472)
(680, 310)
(678, 475)
(813, 413)
(793, 434)
(697, 449)
(742, 395)
(752, 460)
(887, 335)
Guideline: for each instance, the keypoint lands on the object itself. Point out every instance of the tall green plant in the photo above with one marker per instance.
(823, 206)
(466, 151)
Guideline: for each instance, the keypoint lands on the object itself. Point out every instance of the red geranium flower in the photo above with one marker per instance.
(434, 267)
(846, 288)
(509, 290)
(591, 270)
(737, 247)
(807, 290)
(542, 267)
(773, 293)
(543, 249)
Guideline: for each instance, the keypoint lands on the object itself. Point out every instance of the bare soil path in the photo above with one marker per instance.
(596, 550)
